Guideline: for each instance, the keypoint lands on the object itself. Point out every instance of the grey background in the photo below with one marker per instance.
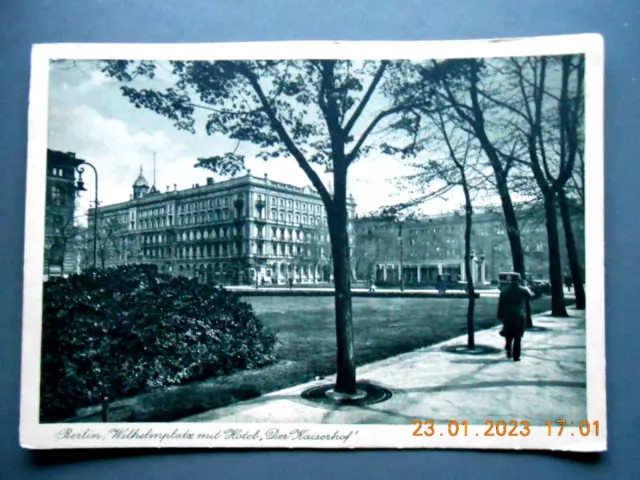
(23, 22)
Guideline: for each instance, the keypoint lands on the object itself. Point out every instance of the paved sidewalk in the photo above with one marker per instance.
(548, 383)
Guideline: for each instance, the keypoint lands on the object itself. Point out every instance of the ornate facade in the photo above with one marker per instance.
(238, 231)
(420, 250)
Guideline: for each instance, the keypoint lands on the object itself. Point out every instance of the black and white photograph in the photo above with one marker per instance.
(316, 245)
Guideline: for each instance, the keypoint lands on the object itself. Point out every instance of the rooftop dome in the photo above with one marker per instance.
(141, 181)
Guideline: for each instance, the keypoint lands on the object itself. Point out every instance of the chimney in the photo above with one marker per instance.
(167, 188)
(175, 187)
(265, 176)
(209, 180)
(195, 185)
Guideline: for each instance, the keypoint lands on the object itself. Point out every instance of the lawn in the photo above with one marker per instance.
(384, 327)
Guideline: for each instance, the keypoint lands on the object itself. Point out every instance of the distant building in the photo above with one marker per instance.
(61, 257)
(420, 250)
(243, 230)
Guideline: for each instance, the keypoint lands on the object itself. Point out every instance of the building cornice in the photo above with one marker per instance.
(231, 184)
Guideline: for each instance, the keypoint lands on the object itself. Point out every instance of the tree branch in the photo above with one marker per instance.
(352, 155)
(366, 98)
(286, 139)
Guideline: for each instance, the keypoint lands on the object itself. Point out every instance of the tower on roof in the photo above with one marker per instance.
(140, 186)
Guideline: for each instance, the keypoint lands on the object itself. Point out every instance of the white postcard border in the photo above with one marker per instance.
(45, 436)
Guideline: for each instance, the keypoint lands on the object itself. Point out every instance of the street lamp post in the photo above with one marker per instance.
(481, 273)
(401, 256)
(80, 188)
(494, 244)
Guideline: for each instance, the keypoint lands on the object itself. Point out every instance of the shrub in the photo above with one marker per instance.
(122, 331)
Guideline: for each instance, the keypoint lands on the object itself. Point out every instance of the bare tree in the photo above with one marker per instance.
(458, 168)
(545, 94)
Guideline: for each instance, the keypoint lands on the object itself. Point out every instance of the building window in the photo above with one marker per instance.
(57, 196)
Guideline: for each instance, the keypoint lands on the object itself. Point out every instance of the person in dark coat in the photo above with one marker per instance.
(568, 282)
(512, 310)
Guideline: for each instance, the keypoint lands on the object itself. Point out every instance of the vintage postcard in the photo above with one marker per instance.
(316, 245)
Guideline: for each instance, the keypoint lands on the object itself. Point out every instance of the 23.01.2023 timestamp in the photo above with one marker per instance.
(502, 428)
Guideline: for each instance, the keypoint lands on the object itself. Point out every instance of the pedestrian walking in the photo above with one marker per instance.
(512, 310)
(290, 283)
(568, 282)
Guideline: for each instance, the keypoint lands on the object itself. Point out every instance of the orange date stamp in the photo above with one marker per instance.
(505, 428)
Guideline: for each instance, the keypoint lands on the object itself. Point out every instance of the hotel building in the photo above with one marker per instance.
(238, 231)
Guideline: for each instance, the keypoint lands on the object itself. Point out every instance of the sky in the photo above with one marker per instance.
(89, 116)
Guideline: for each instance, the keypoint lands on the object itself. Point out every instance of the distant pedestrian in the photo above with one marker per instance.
(568, 282)
(512, 310)
(290, 283)
(372, 284)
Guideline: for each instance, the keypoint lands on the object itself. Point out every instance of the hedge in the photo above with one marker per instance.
(122, 331)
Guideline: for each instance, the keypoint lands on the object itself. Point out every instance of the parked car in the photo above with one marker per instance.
(504, 278)
(537, 286)
(540, 286)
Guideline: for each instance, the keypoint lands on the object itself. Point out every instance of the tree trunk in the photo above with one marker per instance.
(500, 174)
(572, 254)
(64, 253)
(467, 267)
(513, 232)
(346, 365)
(558, 308)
